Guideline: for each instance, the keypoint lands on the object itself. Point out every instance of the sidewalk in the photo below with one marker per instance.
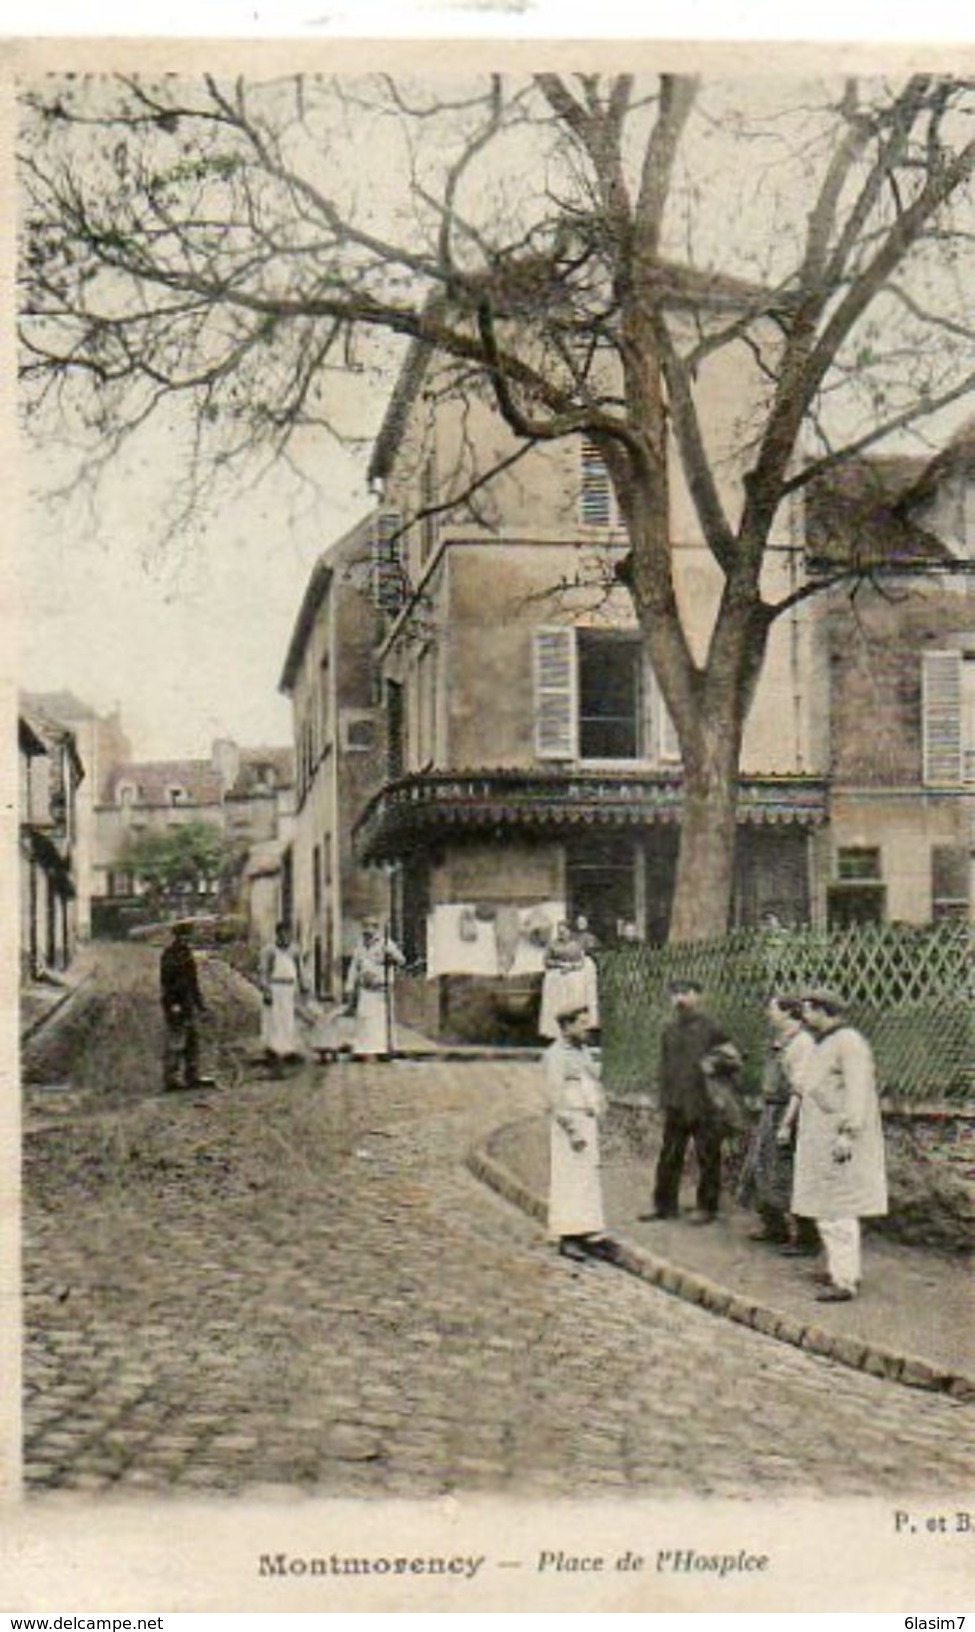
(415, 1045)
(41, 999)
(912, 1322)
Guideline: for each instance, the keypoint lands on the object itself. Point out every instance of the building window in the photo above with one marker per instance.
(325, 701)
(389, 578)
(597, 501)
(948, 718)
(426, 706)
(951, 874)
(858, 895)
(594, 696)
(857, 863)
(395, 730)
(555, 694)
(126, 794)
(177, 796)
(610, 694)
(358, 728)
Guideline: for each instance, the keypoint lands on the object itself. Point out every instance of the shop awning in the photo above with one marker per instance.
(433, 805)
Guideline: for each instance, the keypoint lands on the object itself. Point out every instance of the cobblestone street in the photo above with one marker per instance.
(298, 1284)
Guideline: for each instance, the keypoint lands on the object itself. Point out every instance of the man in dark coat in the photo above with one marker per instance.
(692, 1045)
(182, 1001)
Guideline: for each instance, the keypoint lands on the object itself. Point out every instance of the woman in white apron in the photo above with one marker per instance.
(280, 984)
(569, 980)
(576, 1102)
(369, 993)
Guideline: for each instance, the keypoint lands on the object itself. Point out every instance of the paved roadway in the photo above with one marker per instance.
(298, 1284)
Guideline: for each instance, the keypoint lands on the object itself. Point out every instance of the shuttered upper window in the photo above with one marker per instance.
(556, 687)
(595, 698)
(597, 503)
(943, 718)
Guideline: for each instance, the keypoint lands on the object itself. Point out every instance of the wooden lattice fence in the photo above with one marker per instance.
(911, 991)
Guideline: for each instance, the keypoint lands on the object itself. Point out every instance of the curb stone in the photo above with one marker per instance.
(853, 1352)
(56, 1009)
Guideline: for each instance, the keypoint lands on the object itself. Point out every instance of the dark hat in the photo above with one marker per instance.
(684, 983)
(824, 997)
(563, 1016)
(183, 926)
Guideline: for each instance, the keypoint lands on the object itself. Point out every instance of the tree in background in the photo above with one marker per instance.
(250, 249)
(181, 864)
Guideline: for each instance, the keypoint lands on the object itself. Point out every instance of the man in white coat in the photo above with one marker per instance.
(840, 1174)
(576, 1102)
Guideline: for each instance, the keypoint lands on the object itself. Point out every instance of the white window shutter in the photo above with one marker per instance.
(596, 501)
(941, 710)
(556, 709)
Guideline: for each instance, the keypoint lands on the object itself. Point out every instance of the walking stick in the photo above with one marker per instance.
(387, 992)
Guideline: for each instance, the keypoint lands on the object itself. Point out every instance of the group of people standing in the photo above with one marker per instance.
(367, 1010)
(814, 1164)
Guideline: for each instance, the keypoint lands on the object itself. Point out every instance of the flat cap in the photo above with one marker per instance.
(825, 997)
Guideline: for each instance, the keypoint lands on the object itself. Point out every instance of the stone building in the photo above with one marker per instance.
(902, 687)
(102, 744)
(245, 794)
(329, 676)
(51, 773)
(532, 770)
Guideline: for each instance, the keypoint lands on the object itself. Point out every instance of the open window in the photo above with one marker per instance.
(595, 699)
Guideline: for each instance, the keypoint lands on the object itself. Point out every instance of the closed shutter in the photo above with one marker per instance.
(597, 508)
(388, 572)
(941, 691)
(555, 694)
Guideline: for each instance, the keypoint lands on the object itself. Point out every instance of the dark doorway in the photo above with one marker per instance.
(601, 884)
(415, 905)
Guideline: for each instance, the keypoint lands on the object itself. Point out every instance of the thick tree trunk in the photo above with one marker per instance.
(711, 743)
(706, 858)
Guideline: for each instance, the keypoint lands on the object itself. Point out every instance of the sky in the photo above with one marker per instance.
(189, 641)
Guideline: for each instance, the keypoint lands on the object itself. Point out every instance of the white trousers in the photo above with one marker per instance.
(841, 1239)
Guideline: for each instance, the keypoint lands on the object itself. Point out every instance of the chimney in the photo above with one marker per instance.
(225, 758)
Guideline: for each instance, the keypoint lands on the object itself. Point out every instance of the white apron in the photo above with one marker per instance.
(370, 1034)
(278, 1033)
(370, 979)
(567, 988)
(575, 1202)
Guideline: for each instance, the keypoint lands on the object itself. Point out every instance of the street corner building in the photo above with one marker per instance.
(484, 748)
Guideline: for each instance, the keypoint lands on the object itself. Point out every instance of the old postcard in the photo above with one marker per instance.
(488, 982)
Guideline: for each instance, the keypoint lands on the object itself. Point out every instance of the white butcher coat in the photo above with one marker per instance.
(839, 1095)
(576, 1101)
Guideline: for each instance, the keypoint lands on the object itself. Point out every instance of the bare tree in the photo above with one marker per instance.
(252, 248)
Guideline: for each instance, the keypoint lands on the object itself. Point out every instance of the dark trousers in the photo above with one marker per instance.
(181, 1049)
(670, 1163)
